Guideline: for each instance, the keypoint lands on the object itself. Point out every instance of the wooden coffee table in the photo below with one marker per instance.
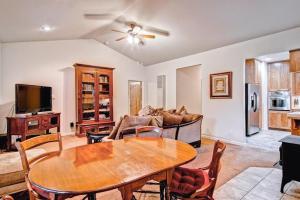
(124, 164)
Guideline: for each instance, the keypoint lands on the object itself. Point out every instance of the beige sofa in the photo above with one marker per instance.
(174, 127)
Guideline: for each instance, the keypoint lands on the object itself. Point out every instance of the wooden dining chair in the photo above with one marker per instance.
(147, 131)
(34, 192)
(188, 184)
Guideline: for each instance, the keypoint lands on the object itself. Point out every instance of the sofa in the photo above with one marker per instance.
(176, 124)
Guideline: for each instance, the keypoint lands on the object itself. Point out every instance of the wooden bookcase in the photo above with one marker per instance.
(94, 98)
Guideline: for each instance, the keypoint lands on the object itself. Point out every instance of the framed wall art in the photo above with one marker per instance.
(221, 85)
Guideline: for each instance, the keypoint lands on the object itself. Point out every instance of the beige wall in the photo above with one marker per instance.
(223, 118)
(188, 88)
(50, 63)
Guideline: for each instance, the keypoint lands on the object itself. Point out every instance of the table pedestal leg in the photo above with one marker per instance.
(126, 192)
(169, 179)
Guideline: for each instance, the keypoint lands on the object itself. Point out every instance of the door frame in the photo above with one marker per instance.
(142, 93)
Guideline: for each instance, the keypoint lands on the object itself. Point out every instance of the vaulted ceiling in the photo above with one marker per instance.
(194, 25)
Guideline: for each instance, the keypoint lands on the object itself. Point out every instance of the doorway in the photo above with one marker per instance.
(271, 74)
(188, 88)
(135, 89)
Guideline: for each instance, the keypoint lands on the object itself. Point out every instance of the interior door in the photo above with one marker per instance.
(135, 97)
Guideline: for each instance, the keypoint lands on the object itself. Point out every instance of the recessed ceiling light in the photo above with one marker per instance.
(46, 28)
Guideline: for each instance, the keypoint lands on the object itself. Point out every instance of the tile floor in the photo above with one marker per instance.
(257, 183)
(267, 140)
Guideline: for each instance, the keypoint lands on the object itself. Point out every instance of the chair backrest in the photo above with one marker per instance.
(153, 130)
(215, 165)
(34, 142)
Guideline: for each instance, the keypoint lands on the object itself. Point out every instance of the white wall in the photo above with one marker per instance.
(51, 63)
(222, 118)
(188, 92)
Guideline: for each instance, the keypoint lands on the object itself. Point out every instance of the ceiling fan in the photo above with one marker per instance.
(134, 34)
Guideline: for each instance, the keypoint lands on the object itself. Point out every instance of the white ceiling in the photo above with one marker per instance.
(194, 25)
(275, 57)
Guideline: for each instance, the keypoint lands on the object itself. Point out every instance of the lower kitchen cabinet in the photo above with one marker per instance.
(279, 120)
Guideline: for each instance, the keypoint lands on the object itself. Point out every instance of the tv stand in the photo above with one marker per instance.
(31, 125)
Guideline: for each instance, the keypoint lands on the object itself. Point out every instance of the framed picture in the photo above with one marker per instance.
(221, 85)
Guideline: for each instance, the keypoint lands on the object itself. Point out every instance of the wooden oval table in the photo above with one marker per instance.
(124, 164)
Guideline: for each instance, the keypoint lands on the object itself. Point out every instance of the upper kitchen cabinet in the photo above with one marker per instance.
(279, 76)
(295, 60)
(253, 74)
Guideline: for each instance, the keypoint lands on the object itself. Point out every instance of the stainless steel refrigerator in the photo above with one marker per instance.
(252, 108)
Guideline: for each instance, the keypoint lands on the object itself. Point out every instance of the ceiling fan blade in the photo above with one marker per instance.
(148, 36)
(122, 38)
(103, 16)
(118, 31)
(156, 30)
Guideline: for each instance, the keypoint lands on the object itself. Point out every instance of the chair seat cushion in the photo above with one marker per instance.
(186, 181)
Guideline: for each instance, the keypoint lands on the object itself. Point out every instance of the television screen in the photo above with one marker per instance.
(33, 98)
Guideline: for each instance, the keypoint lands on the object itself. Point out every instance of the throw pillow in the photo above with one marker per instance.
(187, 118)
(171, 119)
(147, 110)
(132, 121)
(157, 121)
(114, 132)
(181, 111)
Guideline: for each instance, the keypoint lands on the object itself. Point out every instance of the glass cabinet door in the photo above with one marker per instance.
(88, 98)
(104, 97)
(104, 108)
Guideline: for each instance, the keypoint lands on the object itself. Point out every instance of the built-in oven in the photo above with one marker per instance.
(280, 100)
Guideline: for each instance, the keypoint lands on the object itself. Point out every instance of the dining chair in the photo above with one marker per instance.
(188, 184)
(34, 192)
(147, 131)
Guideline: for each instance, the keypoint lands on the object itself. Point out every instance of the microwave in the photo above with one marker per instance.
(280, 100)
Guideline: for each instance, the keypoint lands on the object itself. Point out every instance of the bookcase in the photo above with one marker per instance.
(94, 98)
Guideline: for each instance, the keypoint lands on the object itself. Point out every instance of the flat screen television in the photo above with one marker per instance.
(33, 99)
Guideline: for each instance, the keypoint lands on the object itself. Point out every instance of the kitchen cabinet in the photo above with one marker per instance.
(252, 72)
(295, 60)
(279, 76)
(296, 83)
(279, 120)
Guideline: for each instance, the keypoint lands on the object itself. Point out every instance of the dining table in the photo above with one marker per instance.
(125, 165)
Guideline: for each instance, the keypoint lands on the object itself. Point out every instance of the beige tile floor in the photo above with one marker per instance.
(267, 139)
(257, 183)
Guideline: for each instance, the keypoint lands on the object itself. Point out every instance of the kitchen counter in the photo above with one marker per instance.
(294, 115)
(295, 122)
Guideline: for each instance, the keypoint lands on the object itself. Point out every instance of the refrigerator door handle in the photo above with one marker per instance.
(255, 102)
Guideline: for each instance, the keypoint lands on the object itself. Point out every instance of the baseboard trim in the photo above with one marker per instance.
(224, 140)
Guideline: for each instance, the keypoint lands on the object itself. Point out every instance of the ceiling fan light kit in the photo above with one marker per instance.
(133, 39)
(134, 34)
